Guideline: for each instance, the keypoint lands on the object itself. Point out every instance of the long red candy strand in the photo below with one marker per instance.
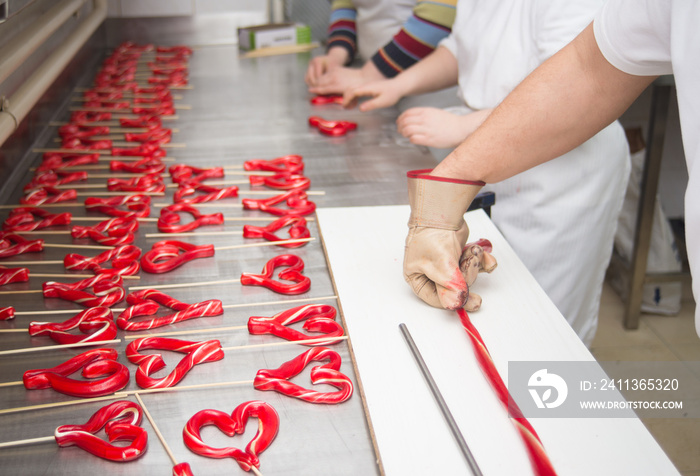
(538, 457)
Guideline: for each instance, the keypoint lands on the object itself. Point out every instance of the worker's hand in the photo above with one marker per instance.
(434, 127)
(321, 65)
(339, 80)
(384, 93)
(437, 265)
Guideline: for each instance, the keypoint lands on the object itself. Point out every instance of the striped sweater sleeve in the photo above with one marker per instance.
(342, 30)
(430, 22)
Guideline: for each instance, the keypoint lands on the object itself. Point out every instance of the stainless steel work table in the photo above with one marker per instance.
(241, 109)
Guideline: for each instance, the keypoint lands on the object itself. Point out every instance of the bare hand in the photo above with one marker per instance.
(383, 94)
(434, 127)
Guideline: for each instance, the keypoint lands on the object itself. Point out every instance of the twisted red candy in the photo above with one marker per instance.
(182, 469)
(295, 266)
(82, 132)
(24, 219)
(53, 178)
(120, 421)
(13, 245)
(113, 232)
(144, 183)
(136, 205)
(124, 260)
(46, 195)
(13, 275)
(327, 99)
(105, 375)
(57, 161)
(160, 136)
(296, 201)
(148, 301)
(281, 181)
(297, 229)
(108, 290)
(332, 128)
(180, 173)
(268, 424)
(175, 79)
(316, 317)
(167, 255)
(148, 121)
(86, 117)
(176, 49)
(7, 313)
(292, 164)
(197, 353)
(96, 323)
(147, 165)
(144, 150)
(210, 193)
(86, 144)
(169, 220)
(278, 379)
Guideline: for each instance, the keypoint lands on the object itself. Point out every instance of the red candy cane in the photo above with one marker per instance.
(296, 201)
(297, 229)
(120, 421)
(327, 99)
(148, 301)
(13, 245)
(148, 121)
(56, 161)
(53, 178)
(332, 128)
(316, 317)
(82, 132)
(180, 173)
(538, 457)
(47, 195)
(136, 205)
(24, 219)
(146, 149)
(146, 183)
(281, 181)
(268, 425)
(167, 255)
(113, 232)
(293, 272)
(124, 261)
(96, 323)
(86, 144)
(13, 275)
(7, 313)
(108, 290)
(147, 165)
(105, 375)
(278, 379)
(197, 353)
(160, 136)
(292, 164)
(170, 221)
(210, 193)
(88, 117)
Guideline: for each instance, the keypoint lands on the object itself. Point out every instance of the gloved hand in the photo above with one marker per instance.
(437, 265)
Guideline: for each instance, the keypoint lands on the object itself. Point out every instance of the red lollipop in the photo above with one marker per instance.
(24, 219)
(167, 255)
(120, 421)
(296, 201)
(108, 290)
(278, 379)
(148, 301)
(96, 323)
(170, 221)
(297, 229)
(197, 353)
(105, 375)
(145, 183)
(180, 173)
(131, 205)
(7, 313)
(292, 164)
(13, 275)
(316, 317)
(13, 245)
(47, 195)
(186, 192)
(332, 128)
(268, 424)
(293, 272)
(124, 261)
(147, 165)
(113, 232)
(281, 181)
(57, 161)
(53, 178)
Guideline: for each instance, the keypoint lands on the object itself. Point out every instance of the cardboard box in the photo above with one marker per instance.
(279, 34)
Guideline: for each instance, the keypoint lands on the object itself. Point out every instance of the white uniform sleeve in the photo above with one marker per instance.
(634, 36)
(557, 23)
(450, 43)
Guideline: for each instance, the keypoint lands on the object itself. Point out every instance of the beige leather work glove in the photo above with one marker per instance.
(437, 265)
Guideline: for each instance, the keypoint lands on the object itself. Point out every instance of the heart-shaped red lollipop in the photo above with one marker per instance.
(316, 317)
(297, 229)
(297, 203)
(268, 425)
(148, 301)
(108, 289)
(196, 353)
(294, 267)
(96, 323)
(120, 421)
(278, 379)
(126, 206)
(105, 375)
(167, 255)
(170, 220)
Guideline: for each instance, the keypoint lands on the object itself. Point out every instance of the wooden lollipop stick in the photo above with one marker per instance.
(62, 346)
(164, 334)
(122, 143)
(185, 285)
(105, 152)
(59, 205)
(272, 344)
(114, 126)
(155, 428)
(264, 243)
(5, 411)
(226, 306)
(195, 233)
(121, 111)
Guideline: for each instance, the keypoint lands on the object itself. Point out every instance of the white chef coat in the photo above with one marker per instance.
(655, 37)
(560, 217)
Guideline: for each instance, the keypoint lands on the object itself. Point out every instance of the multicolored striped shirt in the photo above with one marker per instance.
(429, 23)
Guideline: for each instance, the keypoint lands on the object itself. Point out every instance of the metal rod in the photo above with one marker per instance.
(441, 402)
